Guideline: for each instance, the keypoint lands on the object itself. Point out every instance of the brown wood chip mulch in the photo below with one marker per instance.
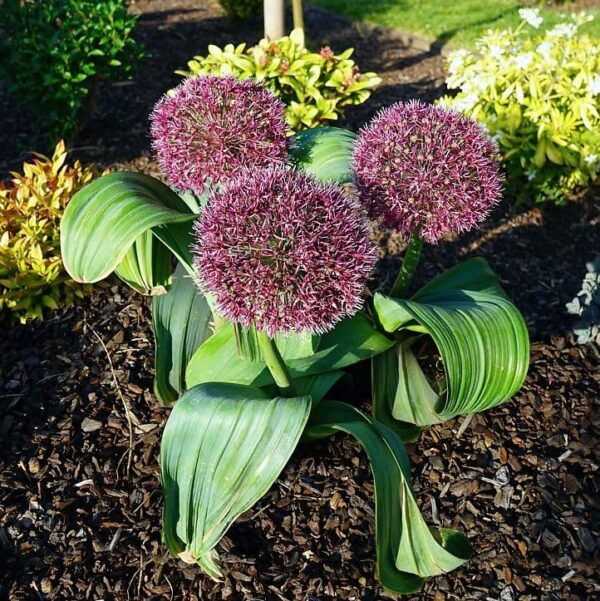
(80, 509)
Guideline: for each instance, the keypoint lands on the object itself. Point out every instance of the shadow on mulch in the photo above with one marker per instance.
(78, 522)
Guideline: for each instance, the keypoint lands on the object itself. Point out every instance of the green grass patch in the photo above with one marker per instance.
(458, 22)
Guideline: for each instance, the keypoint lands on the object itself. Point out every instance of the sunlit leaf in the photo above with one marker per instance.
(105, 218)
(408, 551)
(223, 447)
(481, 336)
(325, 152)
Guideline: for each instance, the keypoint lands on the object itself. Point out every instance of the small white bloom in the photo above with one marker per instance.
(566, 30)
(531, 16)
(457, 58)
(495, 51)
(545, 49)
(591, 159)
(482, 81)
(594, 86)
(522, 61)
(497, 137)
(530, 173)
(465, 103)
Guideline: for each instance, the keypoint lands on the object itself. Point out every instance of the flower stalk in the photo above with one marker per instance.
(409, 266)
(276, 364)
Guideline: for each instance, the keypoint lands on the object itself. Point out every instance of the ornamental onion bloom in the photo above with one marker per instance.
(210, 127)
(282, 251)
(426, 168)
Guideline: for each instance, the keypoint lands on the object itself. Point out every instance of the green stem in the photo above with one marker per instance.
(276, 364)
(409, 265)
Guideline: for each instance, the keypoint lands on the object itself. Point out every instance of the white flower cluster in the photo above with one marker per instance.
(538, 94)
(531, 16)
(594, 86)
(564, 30)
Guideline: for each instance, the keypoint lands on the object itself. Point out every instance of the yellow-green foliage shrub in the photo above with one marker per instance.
(31, 206)
(315, 86)
(539, 97)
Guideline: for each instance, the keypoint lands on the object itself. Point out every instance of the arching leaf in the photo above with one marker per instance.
(325, 152)
(223, 447)
(408, 551)
(146, 266)
(181, 321)
(106, 217)
(481, 336)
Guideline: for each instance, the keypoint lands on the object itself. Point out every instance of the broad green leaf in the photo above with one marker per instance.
(181, 320)
(178, 238)
(325, 152)
(147, 265)
(106, 217)
(316, 386)
(351, 341)
(291, 346)
(408, 551)
(480, 335)
(196, 202)
(223, 447)
(387, 385)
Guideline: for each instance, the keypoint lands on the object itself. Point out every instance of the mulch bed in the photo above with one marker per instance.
(80, 508)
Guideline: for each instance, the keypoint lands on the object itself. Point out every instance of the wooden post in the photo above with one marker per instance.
(298, 14)
(274, 19)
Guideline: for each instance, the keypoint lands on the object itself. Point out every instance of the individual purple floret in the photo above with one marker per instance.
(282, 251)
(425, 168)
(210, 127)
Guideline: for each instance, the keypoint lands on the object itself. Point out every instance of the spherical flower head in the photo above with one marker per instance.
(210, 127)
(427, 169)
(282, 251)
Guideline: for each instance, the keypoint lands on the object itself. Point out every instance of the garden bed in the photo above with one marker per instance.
(80, 503)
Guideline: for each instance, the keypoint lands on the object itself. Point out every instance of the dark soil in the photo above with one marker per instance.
(521, 481)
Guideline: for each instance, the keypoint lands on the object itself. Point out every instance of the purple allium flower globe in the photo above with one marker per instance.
(210, 127)
(426, 168)
(282, 251)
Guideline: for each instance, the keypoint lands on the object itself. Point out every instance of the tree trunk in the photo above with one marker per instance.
(274, 19)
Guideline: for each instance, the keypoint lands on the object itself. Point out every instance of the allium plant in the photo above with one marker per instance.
(426, 169)
(212, 127)
(281, 253)
(284, 252)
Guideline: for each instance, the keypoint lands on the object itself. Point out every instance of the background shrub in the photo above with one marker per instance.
(539, 97)
(53, 52)
(31, 207)
(242, 9)
(315, 86)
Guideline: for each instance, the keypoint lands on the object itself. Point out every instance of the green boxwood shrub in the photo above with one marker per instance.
(241, 9)
(53, 52)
